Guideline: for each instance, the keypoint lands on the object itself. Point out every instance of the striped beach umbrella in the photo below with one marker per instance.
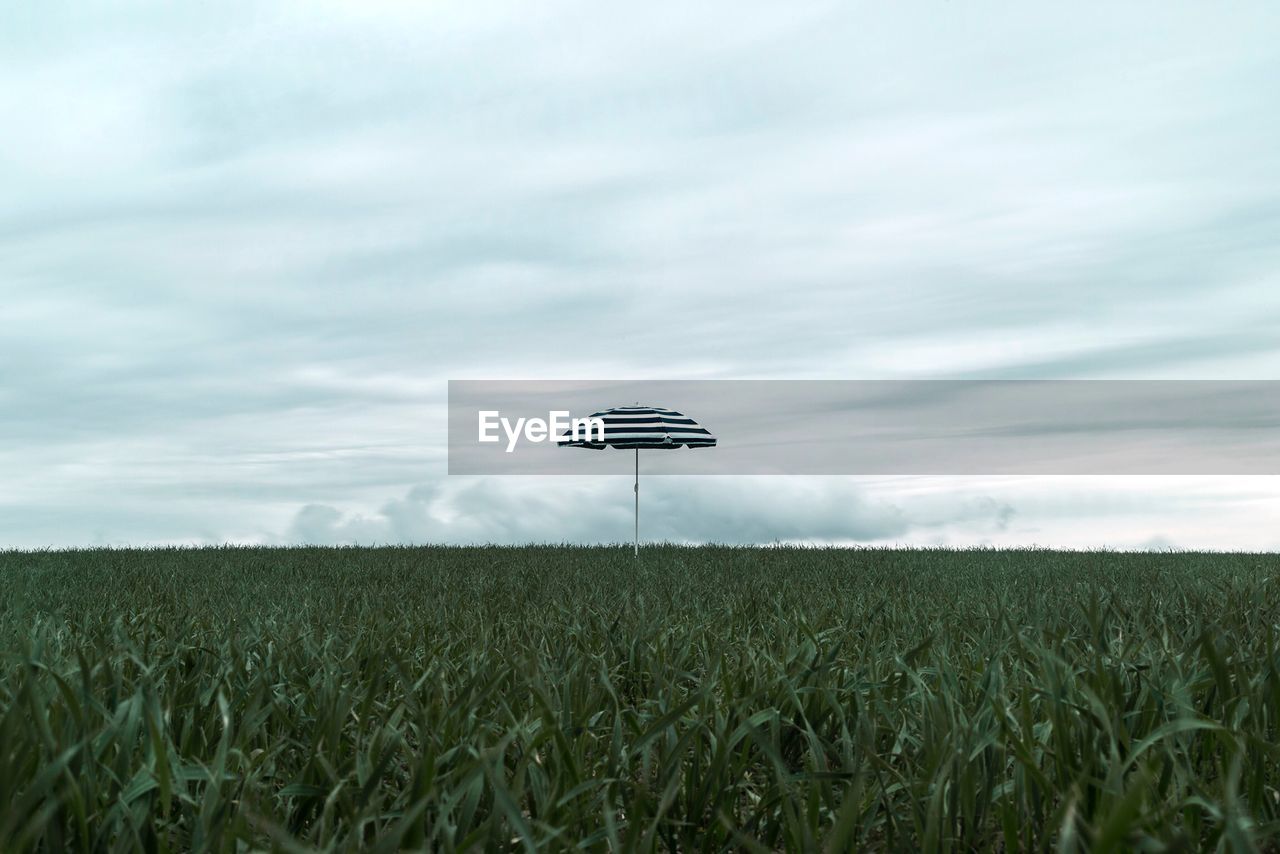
(637, 427)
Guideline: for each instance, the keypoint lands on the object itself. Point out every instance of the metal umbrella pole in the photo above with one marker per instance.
(637, 490)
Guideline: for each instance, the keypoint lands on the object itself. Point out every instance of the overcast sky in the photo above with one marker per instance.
(243, 249)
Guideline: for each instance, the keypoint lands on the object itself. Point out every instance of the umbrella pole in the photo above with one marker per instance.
(637, 491)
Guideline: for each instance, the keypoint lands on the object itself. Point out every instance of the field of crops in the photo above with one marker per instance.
(696, 699)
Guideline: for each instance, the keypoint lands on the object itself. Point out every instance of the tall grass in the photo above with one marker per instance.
(698, 699)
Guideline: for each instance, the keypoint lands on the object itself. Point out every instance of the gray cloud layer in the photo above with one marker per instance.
(715, 509)
(241, 249)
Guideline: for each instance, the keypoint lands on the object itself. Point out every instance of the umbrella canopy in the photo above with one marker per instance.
(642, 427)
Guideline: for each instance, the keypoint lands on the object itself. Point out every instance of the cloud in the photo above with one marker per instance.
(1063, 511)
(715, 509)
(242, 249)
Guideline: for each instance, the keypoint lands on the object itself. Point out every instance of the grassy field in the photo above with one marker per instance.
(699, 699)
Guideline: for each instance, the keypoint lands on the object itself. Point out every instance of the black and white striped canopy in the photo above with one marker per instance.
(642, 427)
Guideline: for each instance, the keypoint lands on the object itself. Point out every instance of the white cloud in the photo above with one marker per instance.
(240, 247)
(1074, 512)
